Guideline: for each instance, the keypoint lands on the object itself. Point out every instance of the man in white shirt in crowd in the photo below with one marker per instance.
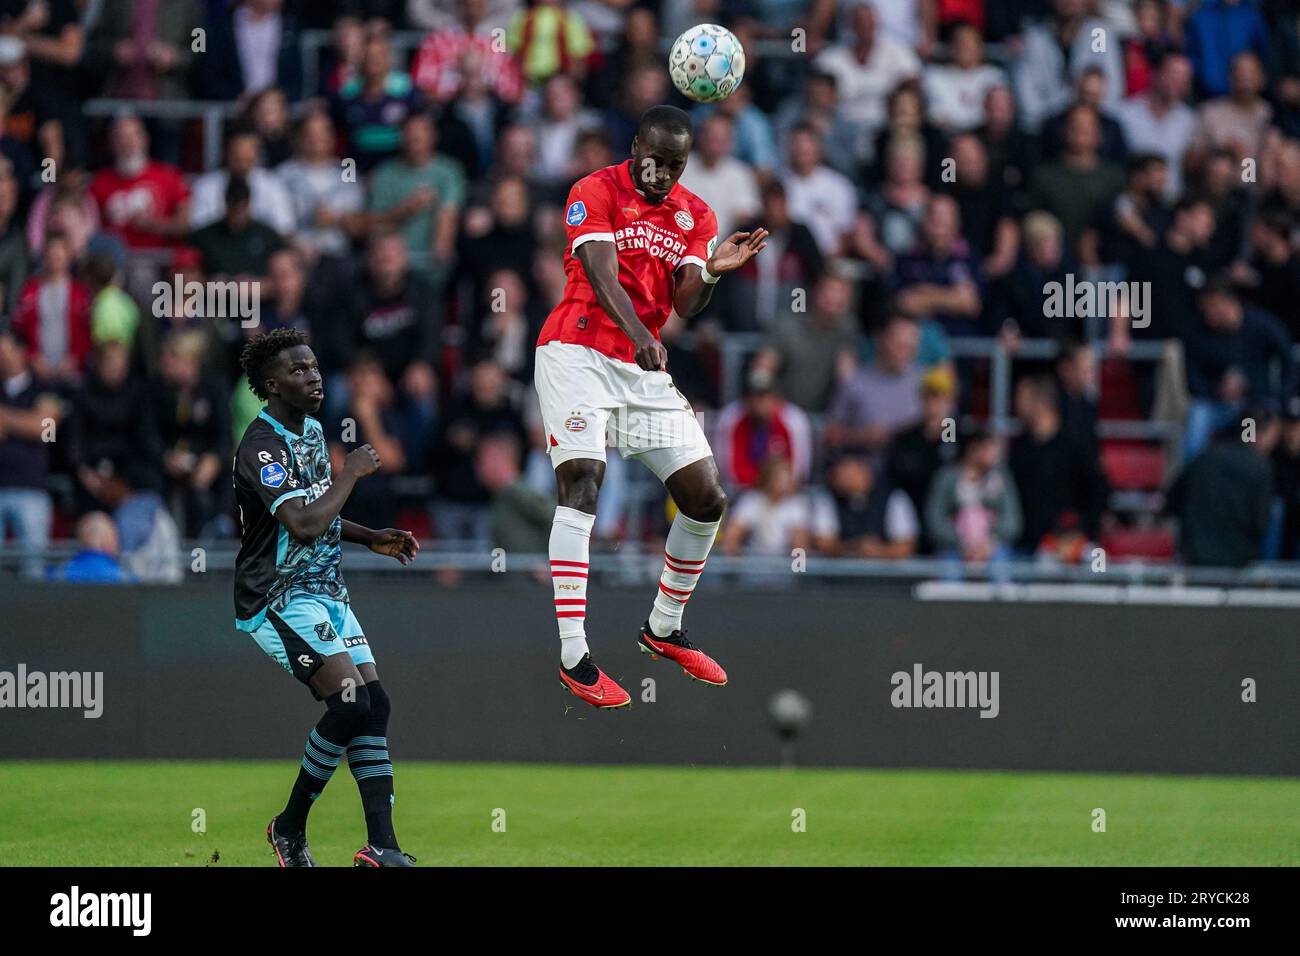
(271, 202)
(726, 183)
(866, 70)
(819, 197)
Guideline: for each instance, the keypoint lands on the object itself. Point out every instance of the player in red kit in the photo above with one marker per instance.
(640, 246)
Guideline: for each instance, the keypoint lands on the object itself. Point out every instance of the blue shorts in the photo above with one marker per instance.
(309, 629)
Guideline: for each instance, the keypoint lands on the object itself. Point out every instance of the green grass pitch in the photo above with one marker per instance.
(141, 813)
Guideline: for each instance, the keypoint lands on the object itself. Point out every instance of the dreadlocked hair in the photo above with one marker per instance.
(261, 350)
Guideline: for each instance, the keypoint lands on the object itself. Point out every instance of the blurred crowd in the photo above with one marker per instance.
(391, 181)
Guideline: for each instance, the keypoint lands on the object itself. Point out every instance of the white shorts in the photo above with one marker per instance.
(590, 401)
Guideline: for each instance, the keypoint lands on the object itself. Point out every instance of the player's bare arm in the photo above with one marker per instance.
(600, 261)
(693, 293)
(391, 542)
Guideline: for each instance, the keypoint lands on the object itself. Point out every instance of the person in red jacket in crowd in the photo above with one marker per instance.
(53, 316)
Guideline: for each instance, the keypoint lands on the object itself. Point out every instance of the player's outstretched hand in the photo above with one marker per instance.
(737, 249)
(362, 461)
(396, 544)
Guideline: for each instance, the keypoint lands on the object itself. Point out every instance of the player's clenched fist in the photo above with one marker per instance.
(362, 461)
(651, 354)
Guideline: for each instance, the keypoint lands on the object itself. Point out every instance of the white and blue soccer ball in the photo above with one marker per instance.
(707, 63)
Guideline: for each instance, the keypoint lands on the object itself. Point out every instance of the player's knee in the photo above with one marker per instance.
(352, 703)
(581, 491)
(709, 505)
(380, 705)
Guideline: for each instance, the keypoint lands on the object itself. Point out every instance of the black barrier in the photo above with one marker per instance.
(471, 671)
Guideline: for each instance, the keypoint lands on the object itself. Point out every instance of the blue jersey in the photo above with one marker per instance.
(274, 466)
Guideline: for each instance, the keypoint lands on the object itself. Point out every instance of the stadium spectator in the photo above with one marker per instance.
(28, 412)
(1064, 490)
(148, 537)
(505, 330)
(917, 453)
(520, 516)
(940, 279)
(766, 286)
(907, 120)
(1237, 120)
(375, 416)
(496, 237)
(69, 188)
(1148, 49)
(111, 419)
(1275, 268)
(252, 48)
(420, 194)
(1231, 361)
(437, 66)
(761, 426)
(897, 209)
(53, 316)
(1090, 90)
(193, 416)
(462, 504)
(371, 107)
(31, 126)
(341, 61)
(874, 519)
(267, 114)
(1224, 497)
(811, 346)
(1132, 223)
(548, 37)
(1056, 51)
(1012, 152)
(955, 92)
(559, 122)
(1072, 187)
(1177, 266)
(1076, 373)
(727, 184)
(1159, 120)
(776, 516)
(641, 88)
(328, 207)
(143, 49)
(271, 203)
(237, 245)
(1216, 34)
(143, 202)
(114, 316)
(96, 561)
(987, 210)
(51, 34)
(394, 313)
(882, 398)
(13, 244)
(469, 125)
(818, 196)
(819, 107)
(972, 510)
(755, 140)
(866, 69)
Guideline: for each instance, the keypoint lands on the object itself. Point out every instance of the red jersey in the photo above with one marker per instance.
(651, 241)
(157, 191)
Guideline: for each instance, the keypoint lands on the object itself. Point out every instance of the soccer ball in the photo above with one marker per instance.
(707, 63)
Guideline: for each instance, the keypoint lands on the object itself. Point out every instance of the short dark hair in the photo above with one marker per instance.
(238, 191)
(668, 119)
(261, 350)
